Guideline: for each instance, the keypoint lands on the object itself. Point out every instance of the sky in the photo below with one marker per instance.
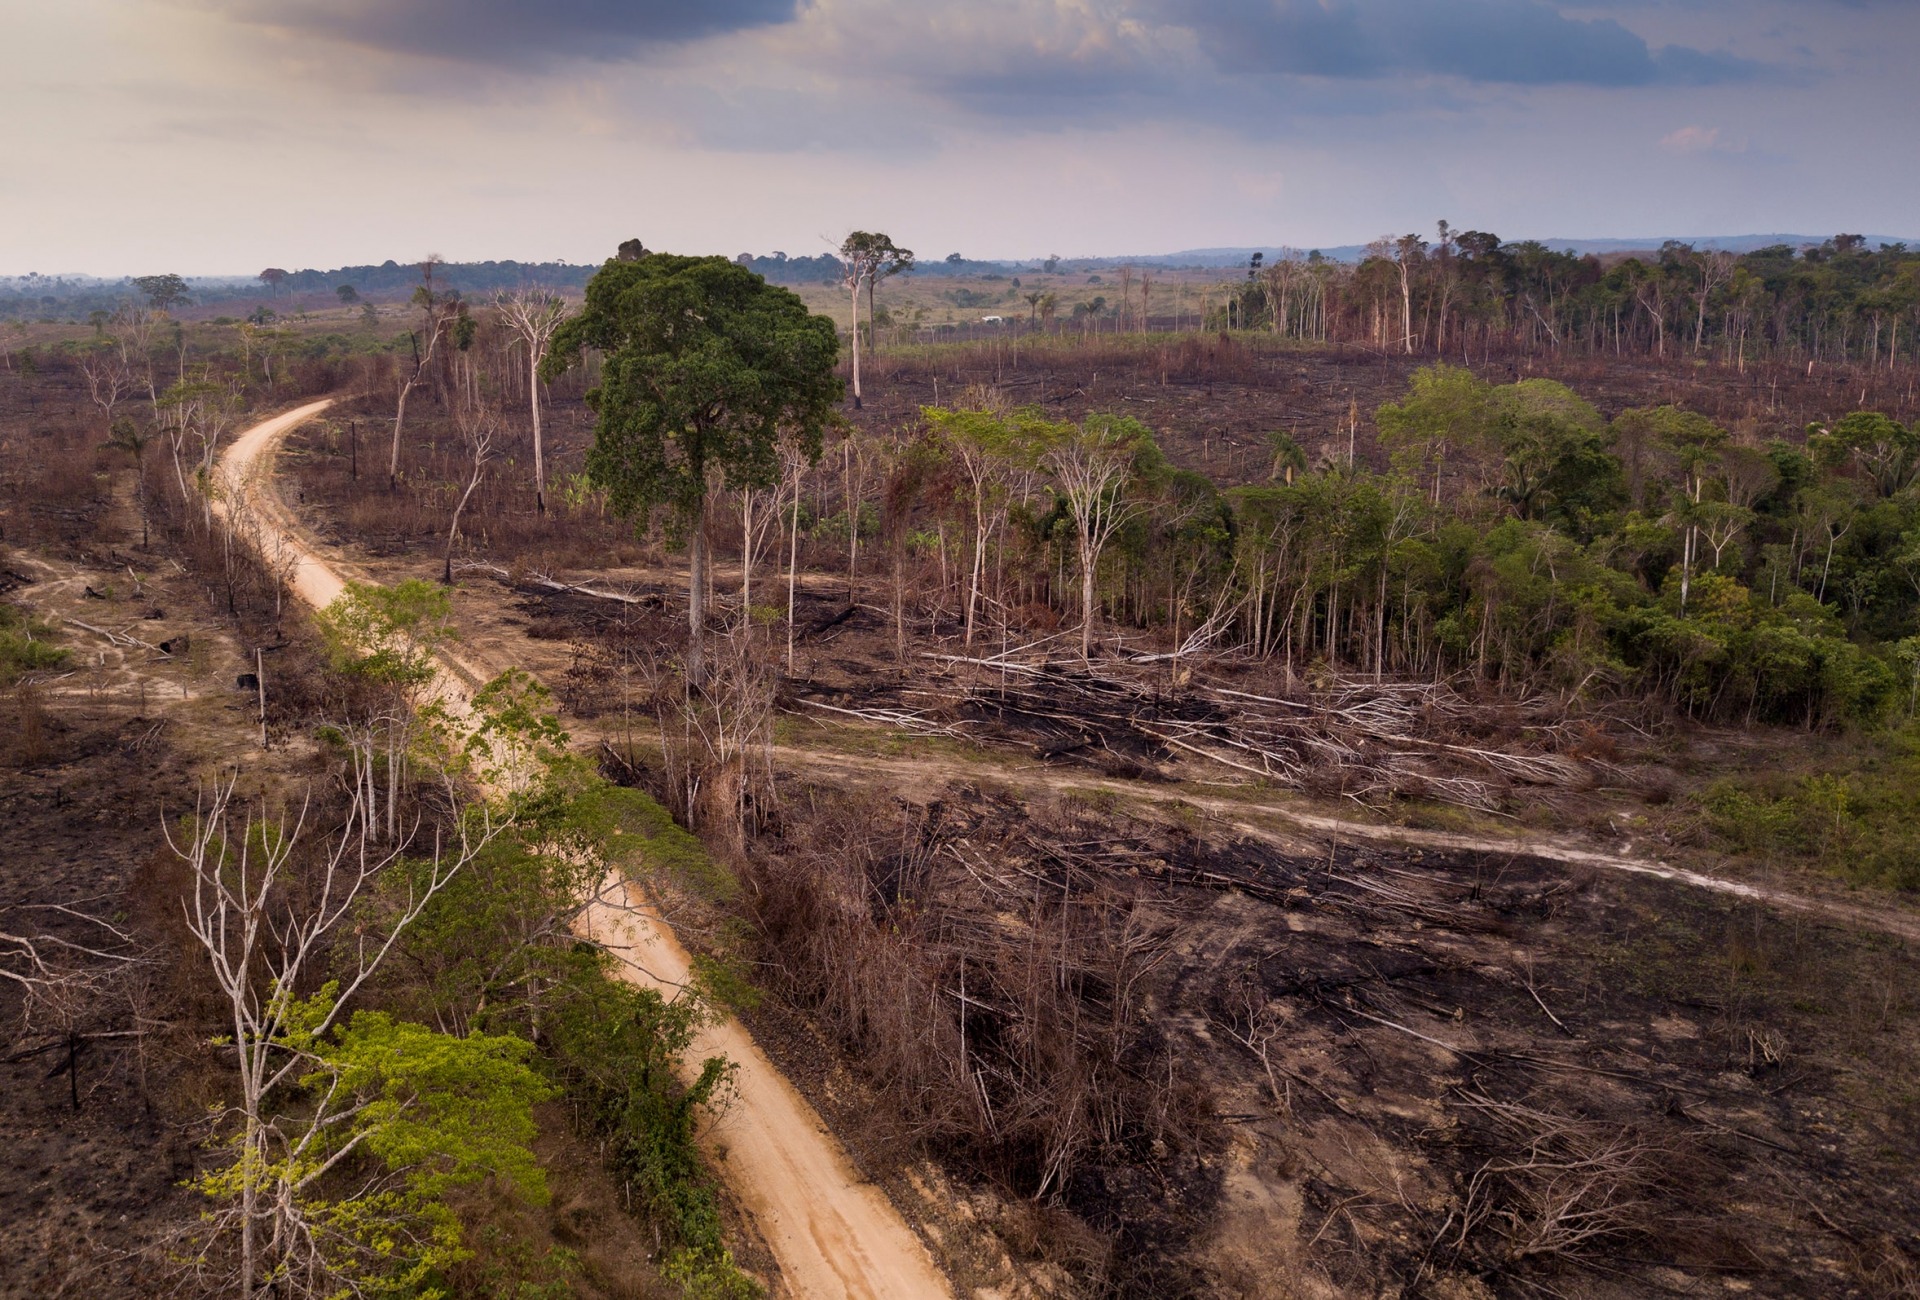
(224, 136)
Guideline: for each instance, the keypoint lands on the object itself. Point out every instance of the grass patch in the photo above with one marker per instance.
(1854, 820)
(24, 647)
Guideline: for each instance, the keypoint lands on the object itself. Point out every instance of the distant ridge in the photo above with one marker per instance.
(1354, 252)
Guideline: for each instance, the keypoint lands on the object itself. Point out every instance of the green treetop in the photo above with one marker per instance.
(705, 369)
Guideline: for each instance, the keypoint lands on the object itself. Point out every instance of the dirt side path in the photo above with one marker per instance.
(833, 1233)
(1890, 918)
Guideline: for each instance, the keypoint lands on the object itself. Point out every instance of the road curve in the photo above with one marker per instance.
(833, 1233)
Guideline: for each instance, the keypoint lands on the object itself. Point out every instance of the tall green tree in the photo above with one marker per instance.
(164, 292)
(705, 369)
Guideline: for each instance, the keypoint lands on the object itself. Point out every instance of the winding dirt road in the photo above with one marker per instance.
(832, 1233)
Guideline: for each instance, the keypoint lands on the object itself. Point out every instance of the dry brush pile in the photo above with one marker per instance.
(1372, 741)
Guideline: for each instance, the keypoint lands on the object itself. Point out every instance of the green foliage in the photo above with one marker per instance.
(446, 1110)
(617, 1048)
(513, 740)
(705, 367)
(504, 1266)
(495, 950)
(388, 634)
(389, 1118)
(163, 292)
(24, 647)
(1856, 822)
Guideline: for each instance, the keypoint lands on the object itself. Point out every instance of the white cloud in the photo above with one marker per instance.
(1700, 139)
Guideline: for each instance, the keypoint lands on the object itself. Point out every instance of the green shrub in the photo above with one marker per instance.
(23, 645)
(1858, 824)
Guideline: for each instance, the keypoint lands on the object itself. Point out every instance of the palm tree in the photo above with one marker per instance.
(1288, 458)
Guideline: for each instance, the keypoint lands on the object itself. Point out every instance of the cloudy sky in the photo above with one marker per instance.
(220, 136)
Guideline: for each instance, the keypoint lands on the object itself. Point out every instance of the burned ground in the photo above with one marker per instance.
(1359, 1069)
(1108, 1042)
(1351, 1065)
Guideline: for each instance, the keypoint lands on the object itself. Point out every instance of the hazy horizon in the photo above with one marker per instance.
(215, 137)
(1737, 243)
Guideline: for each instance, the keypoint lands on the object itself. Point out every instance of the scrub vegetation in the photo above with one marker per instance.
(1174, 784)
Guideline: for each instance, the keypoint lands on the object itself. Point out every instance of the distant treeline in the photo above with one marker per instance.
(74, 298)
(1468, 291)
(1462, 294)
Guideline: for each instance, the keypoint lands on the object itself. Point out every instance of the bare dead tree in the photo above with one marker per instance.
(437, 323)
(267, 933)
(65, 983)
(1091, 467)
(724, 747)
(476, 425)
(1716, 268)
(793, 468)
(534, 314)
(133, 332)
(1559, 1187)
(108, 380)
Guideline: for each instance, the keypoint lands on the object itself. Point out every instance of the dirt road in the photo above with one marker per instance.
(832, 1233)
(1891, 917)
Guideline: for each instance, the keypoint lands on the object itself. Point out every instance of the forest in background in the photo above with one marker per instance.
(1462, 294)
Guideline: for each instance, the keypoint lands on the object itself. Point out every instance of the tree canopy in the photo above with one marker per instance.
(705, 367)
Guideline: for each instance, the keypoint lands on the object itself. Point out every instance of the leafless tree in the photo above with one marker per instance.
(1716, 268)
(723, 749)
(437, 323)
(1091, 467)
(793, 467)
(1408, 252)
(534, 314)
(109, 379)
(269, 930)
(1560, 1187)
(133, 330)
(476, 425)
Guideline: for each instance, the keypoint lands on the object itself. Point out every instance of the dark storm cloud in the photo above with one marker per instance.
(516, 33)
(1513, 42)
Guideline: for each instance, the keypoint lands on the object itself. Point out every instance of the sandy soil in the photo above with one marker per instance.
(832, 1233)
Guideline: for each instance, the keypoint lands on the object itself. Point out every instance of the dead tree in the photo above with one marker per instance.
(1091, 466)
(534, 315)
(267, 928)
(436, 325)
(62, 981)
(476, 430)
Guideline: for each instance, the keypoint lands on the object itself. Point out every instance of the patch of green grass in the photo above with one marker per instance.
(24, 647)
(1855, 820)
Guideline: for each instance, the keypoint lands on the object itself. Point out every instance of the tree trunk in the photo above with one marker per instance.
(453, 529)
(900, 595)
(539, 458)
(979, 563)
(856, 343)
(1089, 564)
(793, 566)
(697, 592)
(399, 421)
